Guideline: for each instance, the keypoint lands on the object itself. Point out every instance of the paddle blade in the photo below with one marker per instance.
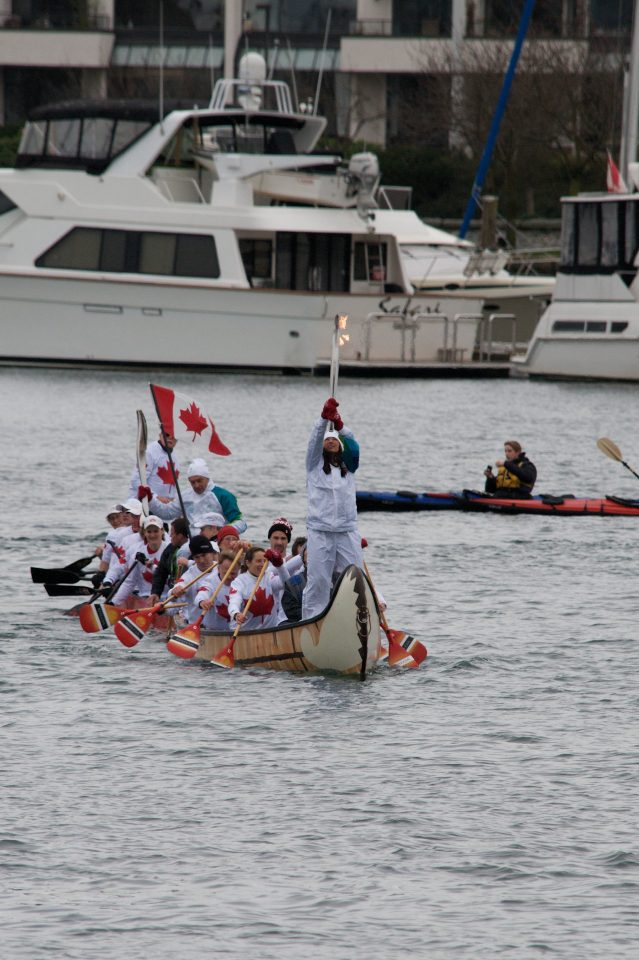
(80, 564)
(225, 657)
(610, 449)
(131, 628)
(404, 650)
(61, 575)
(95, 617)
(185, 643)
(66, 590)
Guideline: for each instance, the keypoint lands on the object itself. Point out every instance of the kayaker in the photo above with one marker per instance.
(334, 541)
(203, 497)
(516, 474)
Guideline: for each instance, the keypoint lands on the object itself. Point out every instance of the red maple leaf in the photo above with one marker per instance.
(222, 610)
(261, 605)
(193, 420)
(168, 475)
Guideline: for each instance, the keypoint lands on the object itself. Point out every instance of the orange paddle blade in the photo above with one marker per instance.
(95, 617)
(225, 657)
(132, 627)
(404, 650)
(186, 643)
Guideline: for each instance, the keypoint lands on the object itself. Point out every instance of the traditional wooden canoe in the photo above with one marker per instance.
(344, 639)
(473, 501)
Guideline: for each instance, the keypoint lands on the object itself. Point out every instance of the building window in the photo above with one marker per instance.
(134, 251)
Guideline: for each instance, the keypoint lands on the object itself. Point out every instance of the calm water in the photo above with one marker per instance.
(484, 806)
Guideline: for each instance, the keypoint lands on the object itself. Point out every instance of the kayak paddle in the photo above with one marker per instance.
(610, 449)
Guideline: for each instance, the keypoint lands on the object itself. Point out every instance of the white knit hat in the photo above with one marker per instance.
(198, 468)
(334, 435)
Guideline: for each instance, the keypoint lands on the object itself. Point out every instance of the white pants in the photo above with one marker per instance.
(328, 555)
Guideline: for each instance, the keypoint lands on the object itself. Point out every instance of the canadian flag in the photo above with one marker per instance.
(614, 181)
(185, 420)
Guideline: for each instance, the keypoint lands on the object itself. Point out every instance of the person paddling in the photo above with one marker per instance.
(334, 541)
(516, 475)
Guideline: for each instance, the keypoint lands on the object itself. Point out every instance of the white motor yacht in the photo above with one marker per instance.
(591, 327)
(215, 237)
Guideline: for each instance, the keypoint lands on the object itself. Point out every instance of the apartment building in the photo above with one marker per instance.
(380, 66)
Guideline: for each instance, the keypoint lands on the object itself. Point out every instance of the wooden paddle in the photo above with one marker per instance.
(90, 619)
(141, 456)
(403, 650)
(225, 657)
(131, 627)
(96, 617)
(612, 450)
(185, 643)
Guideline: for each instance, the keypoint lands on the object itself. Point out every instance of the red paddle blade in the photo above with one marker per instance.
(131, 628)
(95, 617)
(225, 657)
(185, 643)
(404, 650)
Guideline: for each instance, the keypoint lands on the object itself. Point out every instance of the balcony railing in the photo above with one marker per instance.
(60, 21)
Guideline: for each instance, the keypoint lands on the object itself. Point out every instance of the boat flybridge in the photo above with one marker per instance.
(591, 327)
(214, 236)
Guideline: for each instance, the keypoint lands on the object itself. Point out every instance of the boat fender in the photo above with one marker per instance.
(407, 493)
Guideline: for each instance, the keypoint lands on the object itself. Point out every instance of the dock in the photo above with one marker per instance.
(407, 370)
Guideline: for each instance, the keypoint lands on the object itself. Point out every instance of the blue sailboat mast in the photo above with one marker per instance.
(484, 163)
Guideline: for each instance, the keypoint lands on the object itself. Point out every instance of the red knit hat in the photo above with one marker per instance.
(227, 531)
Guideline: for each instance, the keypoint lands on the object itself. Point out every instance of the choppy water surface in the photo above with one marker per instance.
(483, 806)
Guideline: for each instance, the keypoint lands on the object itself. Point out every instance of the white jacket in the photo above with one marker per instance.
(140, 579)
(158, 472)
(332, 506)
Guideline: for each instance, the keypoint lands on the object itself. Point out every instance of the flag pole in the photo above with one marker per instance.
(168, 452)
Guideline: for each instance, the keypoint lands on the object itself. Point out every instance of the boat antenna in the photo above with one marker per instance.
(161, 67)
(271, 69)
(484, 163)
(321, 70)
(293, 80)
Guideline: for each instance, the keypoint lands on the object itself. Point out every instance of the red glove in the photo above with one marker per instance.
(329, 410)
(364, 543)
(339, 423)
(275, 558)
(144, 492)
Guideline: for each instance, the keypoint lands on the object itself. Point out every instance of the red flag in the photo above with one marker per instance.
(184, 419)
(614, 181)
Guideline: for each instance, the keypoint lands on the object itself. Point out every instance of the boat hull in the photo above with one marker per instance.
(344, 639)
(78, 321)
(567, 506)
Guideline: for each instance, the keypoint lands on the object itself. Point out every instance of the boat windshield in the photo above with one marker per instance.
(88, 143)
(423, 261)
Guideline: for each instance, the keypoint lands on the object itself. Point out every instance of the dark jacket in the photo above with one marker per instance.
(166, 570)
(515, 480)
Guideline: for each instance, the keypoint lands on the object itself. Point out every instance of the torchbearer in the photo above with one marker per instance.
(334, 541)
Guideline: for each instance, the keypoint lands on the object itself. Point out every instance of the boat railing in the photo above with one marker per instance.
(454, 348)
(227, 92)
(486, 344)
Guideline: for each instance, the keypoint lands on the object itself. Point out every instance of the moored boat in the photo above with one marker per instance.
(473, 501)
(343, 639)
